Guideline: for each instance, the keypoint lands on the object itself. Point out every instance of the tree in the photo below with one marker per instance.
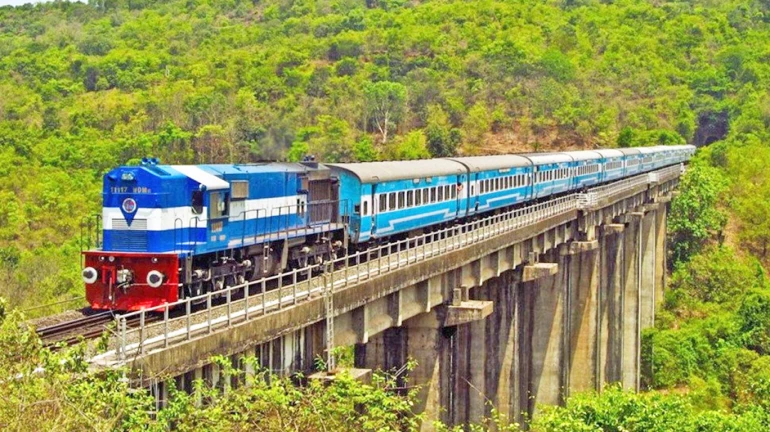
(385, 103)
(695, 214)
(412, 146)
(442, 138)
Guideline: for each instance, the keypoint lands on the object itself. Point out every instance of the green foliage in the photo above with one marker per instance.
(747, 167)
(716, 275)
(716, 338)
(412, 146)
(44, 390)
(385, 104)
(695, 215)
(616, 410)
(86, 87)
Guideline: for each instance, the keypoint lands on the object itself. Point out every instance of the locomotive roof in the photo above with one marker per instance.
(374, 172)
(200, 175)
(258, 168)
(484, 163)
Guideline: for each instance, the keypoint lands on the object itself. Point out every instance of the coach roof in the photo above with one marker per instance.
(375, 172)
(486, 163)
(581, 155)
(547, 158)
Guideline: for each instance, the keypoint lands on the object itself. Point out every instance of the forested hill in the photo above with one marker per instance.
(84, 87)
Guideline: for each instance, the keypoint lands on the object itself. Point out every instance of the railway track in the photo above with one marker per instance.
(73, 331)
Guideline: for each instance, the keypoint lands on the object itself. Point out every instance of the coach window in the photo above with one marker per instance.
(218, 205)
(366, 208)
(418, 197)
(426, 195)
(432, 194)
(409, 198)
(440, 193)
(383, 203)
(401, 200)
(447, 188)
(392, 201)
(454, 191)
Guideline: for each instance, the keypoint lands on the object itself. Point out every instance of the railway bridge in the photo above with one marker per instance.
(519, 309)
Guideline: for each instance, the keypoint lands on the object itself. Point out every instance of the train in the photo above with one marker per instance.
(169, 232)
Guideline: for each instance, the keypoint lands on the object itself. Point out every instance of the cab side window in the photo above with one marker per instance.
(197, 202)
(219, 205)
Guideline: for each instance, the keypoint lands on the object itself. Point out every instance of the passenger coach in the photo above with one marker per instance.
(388, 198)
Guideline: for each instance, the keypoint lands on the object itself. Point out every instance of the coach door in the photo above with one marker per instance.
(462, 195)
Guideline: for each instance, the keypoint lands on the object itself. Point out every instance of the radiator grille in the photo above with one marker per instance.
(129, 238)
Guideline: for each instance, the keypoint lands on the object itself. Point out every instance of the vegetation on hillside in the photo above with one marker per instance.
(86, 87)
(54, 391)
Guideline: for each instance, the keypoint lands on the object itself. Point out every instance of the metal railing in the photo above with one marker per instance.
(593, 197)
(245, 301)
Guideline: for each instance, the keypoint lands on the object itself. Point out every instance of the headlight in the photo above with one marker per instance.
(89, 275)
(155, 278)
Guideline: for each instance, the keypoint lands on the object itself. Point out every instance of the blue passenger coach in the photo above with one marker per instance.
(586, 168)
(632, 158)
(551, 174)
(387, 198)
(494, 182)
(612, 164)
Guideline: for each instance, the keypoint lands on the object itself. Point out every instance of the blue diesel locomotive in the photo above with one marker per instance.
(174, 231)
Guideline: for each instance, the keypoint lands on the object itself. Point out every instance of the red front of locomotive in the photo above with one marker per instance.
(129, 281)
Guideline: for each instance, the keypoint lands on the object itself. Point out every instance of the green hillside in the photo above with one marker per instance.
(88, 87)
(85, 87)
